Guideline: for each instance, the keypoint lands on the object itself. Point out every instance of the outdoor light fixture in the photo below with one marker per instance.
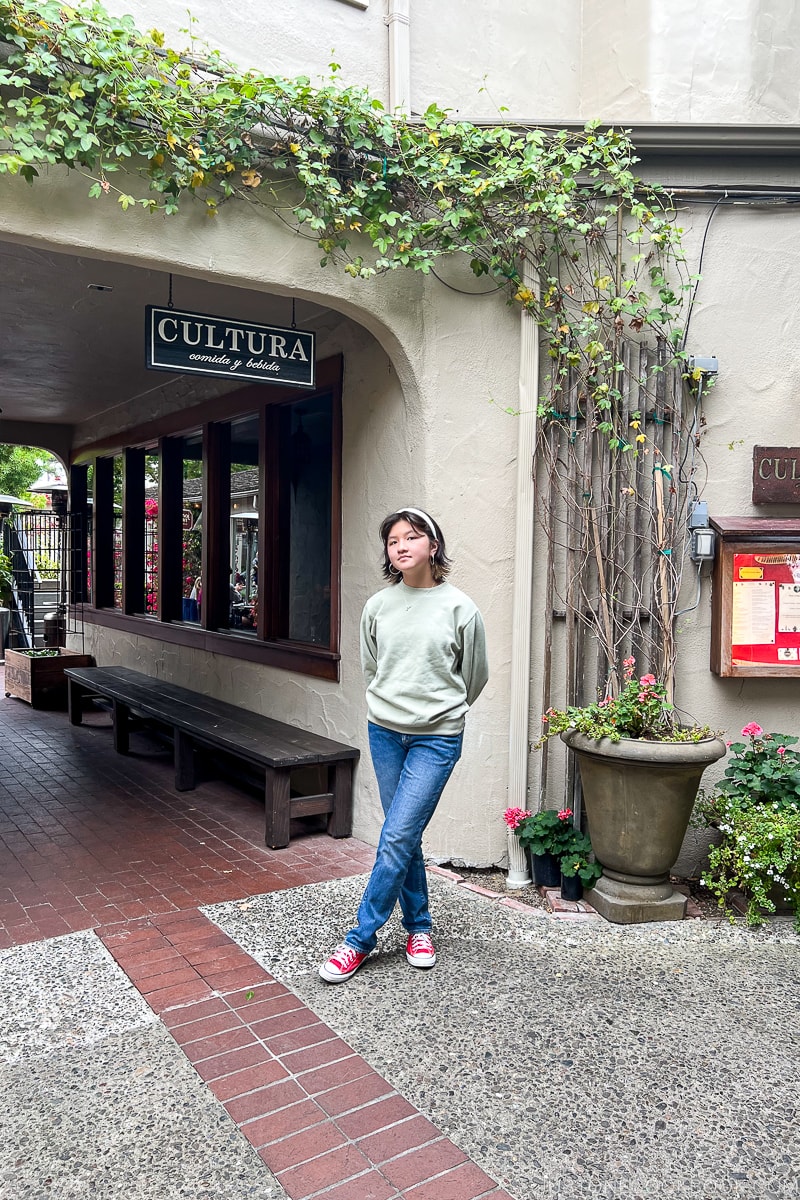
(704, 539)
(703, 544)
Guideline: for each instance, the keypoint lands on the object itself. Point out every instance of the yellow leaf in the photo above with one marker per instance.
(640, 437)
(198, 178)
(251, 178)
(563, 329)
(195, 151)
(157, 160)
(172, 141)
(524, 295)
(591, 306)
(635, 424)
(157, 36)
(439, 186)
(482, 186)
(294, 147)
(433, 138)
(603, 282)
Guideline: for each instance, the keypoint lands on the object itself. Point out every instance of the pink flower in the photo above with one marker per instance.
(565, 814)
(514, 817)
(642, 695)
(781, 750)
(752, 730)
(729, 744)
(628, 662)
(647, 680)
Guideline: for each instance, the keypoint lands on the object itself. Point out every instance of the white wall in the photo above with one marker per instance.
(684, 61)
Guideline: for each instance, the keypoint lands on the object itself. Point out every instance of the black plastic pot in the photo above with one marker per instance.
(546, 870)
(571, 887)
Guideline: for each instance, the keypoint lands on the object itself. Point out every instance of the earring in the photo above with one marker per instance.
(393, 570)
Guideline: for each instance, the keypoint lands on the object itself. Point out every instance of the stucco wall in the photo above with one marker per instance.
(635, 60)
(680, 61)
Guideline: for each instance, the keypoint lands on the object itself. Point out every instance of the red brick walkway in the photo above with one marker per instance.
(317, 1114)
(90, 839)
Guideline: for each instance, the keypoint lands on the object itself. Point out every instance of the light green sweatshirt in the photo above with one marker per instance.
(423, 651)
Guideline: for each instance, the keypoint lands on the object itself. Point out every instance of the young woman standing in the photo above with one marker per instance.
(423, 652)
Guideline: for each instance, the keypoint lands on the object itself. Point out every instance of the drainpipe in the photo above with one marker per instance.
(399, 24)
(518, 747)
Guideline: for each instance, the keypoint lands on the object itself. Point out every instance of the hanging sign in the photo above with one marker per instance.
(776, 475)
(194, 343)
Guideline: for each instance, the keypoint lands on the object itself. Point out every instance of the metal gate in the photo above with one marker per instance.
(50, 576)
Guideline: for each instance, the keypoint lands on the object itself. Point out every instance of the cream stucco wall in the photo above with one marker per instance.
(633, 61)
(685, 61)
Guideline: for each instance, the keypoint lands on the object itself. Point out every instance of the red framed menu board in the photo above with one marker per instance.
(756, 599)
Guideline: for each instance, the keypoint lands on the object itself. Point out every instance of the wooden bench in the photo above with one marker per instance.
(200, 720)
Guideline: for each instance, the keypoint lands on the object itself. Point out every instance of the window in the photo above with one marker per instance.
(226, 535)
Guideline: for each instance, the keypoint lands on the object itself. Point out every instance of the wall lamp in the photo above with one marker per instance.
(704, 539)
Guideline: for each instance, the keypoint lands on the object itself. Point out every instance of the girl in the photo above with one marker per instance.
(423, 652)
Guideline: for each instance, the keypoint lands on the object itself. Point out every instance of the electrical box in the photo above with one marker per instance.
(756, 598)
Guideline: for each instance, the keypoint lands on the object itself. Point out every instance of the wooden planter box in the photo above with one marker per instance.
(41, 681)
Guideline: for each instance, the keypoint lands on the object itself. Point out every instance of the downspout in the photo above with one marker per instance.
(399, 23)
(519, 716)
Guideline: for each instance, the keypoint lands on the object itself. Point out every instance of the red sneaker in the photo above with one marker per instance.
(420, 951)
(343, 963)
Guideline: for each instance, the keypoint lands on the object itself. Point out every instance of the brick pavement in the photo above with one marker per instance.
(93, 840)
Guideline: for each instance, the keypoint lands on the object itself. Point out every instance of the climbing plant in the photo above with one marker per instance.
(556, 219)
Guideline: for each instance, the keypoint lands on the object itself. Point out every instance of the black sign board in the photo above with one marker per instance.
(195, 343)
(776, 475)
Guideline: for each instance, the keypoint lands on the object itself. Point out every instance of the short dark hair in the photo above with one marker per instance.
(441, 564)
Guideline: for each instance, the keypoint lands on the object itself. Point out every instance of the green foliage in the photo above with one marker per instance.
(577, 862)
(764, 769)
(756, 808)
(6, 578)
(551, 831)
(545, 832)
(641, 710)
(20, 466)
(759, 854)
(376, 192)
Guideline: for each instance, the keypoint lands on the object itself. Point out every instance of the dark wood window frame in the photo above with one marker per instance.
(213, 418)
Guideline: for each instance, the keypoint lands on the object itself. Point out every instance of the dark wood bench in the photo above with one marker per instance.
(200, 720)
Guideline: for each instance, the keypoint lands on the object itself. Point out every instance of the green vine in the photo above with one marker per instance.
(377, 192)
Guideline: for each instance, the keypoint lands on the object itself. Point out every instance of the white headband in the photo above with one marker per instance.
(419, 513)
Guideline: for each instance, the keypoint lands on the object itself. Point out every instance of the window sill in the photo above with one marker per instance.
(285, 655)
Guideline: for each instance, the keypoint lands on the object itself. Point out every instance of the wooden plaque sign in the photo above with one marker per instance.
(776, 474)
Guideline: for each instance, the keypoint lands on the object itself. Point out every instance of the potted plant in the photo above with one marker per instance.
(640, 772)
(38, 675)
(546, 836)
(756, 809)
(578, 874)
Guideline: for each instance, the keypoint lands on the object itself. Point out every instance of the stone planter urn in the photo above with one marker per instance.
(639, 798)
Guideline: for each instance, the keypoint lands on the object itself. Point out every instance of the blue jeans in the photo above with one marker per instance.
(412, 770)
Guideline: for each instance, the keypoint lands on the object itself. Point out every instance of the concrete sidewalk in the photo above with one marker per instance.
(559, 1060)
